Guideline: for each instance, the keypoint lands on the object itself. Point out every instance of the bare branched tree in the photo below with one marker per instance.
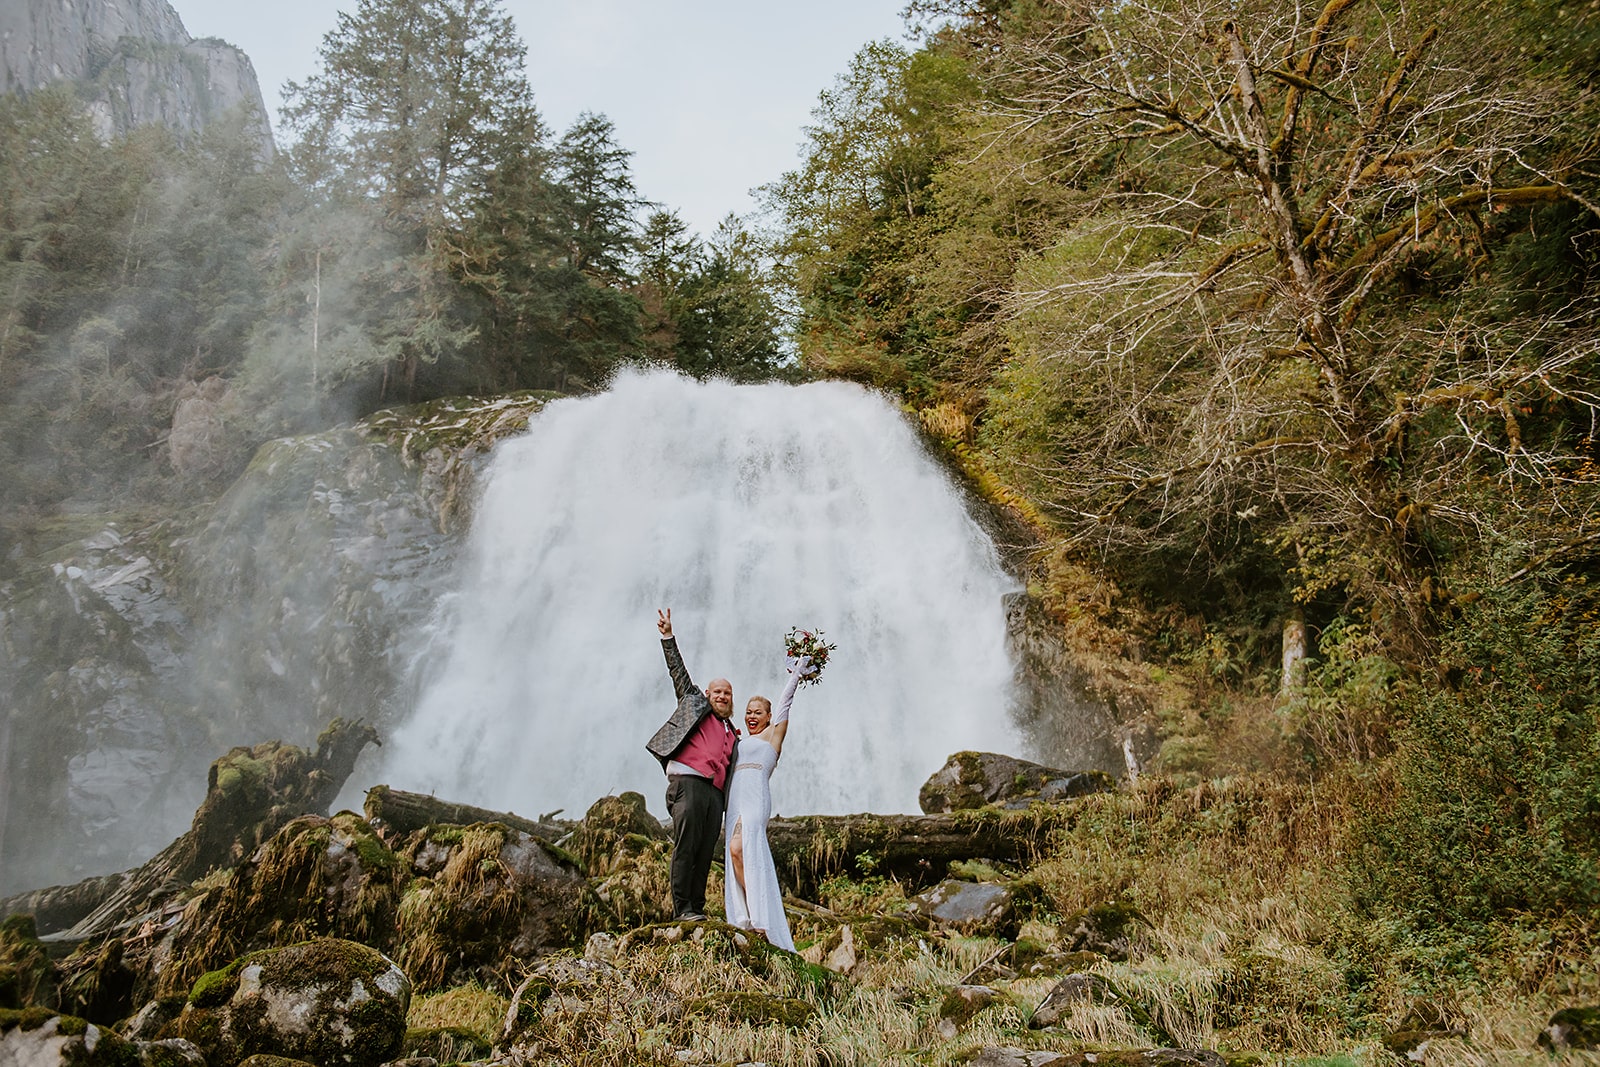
(1293, 312)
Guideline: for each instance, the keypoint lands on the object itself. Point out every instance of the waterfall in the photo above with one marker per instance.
(747, 509)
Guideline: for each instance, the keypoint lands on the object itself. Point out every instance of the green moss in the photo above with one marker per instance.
(26, 1018)
(374, 854)
(447, 1044)
(215, 988)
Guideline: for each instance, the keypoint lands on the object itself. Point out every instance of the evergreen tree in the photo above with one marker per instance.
(416, 103)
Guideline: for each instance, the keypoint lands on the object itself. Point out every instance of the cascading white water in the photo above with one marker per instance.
(747, 509)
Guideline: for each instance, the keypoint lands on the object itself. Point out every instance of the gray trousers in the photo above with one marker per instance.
(696, 809)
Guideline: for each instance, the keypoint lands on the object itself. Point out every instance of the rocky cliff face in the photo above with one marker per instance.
(132, 657)
(131, 61)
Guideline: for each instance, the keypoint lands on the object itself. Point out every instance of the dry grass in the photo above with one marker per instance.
(468, 1007)
(1246, 945)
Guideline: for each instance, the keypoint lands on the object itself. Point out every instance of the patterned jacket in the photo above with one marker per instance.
(692, 707)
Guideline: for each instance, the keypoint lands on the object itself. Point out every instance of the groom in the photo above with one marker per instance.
(696, 748)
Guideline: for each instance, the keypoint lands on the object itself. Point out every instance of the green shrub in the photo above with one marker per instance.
(1497, 798)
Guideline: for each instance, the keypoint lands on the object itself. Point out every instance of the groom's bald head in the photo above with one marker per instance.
(720, 693)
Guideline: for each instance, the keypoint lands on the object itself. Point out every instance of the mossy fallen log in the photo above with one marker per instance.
(60, 906)
(402, 813)
(917, 849)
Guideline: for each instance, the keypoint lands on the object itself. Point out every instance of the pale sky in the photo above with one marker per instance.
(710, 95)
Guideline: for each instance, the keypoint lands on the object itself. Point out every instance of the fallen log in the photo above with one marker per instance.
(401, 813)
(917, 849)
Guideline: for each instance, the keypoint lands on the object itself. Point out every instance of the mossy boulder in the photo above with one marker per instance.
(1072, 991)
(317, 877)
(757, 1009)
(960, 1005)
(978, 779)
(1106, 928)
(36, 1037)
(1033, 959)
(636, 889)
(263, 1060)
(486, 897)
(327, 1001)
(605, 826)
(1572, 1028)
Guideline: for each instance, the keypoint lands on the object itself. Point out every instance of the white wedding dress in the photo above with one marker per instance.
(759, 905)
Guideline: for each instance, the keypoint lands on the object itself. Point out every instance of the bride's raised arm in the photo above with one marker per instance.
(780, 714)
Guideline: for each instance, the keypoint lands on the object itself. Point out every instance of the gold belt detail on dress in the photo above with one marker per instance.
(749, 766)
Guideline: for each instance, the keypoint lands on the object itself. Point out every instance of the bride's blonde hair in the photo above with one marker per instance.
(764, 703)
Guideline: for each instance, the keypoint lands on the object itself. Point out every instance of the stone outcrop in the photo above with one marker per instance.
(483, 900)
(250, 794)
(134, 63)
(976, 779)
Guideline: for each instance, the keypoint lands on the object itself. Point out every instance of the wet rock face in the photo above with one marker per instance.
(91, 669)
(131, 656)
(325, 1001)
(307, 578)
(976, 779)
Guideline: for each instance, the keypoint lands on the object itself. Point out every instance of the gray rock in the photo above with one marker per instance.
(971, 907)
(1068, 993)
(325, 1001)
(1067, 706)
(975, 779)
(65, 1041)
(1572, 1028)
(960, 1004)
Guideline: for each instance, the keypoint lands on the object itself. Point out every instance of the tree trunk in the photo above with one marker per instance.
(403, 812)
(913, 848)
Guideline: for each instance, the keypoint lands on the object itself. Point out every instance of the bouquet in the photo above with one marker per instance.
(808, 643)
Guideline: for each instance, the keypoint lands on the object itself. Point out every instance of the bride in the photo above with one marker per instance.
(750, 888)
